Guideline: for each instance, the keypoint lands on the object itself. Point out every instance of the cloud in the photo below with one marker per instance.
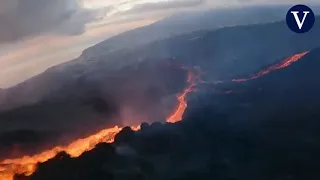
(25, 59)
(164, 4)
(25, 18)
(20, 18)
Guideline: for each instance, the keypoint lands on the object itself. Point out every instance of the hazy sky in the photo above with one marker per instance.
(37, 34)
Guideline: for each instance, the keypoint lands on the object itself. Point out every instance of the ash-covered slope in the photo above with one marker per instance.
(280, 92)
(261, 141)
(233, 51)
(296, 83)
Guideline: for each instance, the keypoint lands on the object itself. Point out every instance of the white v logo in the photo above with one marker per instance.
(299, 23)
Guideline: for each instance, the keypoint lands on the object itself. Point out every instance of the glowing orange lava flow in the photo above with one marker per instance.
(288, 61)
(27, 165)
(182, 99)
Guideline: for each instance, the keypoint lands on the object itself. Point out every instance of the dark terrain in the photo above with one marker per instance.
(263, 129)
(144, 91)
(274, 137)
(95, 90)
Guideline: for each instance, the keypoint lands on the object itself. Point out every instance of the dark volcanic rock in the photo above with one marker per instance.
(240, 143)
(126, 135)
(94, 99)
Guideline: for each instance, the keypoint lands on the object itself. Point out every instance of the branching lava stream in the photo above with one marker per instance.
(27, 165)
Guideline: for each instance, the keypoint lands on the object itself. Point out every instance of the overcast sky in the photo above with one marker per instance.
(37, 34)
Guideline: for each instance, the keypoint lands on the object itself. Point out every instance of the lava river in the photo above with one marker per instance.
(27, 165)
(285, 63)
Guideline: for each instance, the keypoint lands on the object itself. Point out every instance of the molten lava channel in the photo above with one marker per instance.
(182, 99)
(285, 63)
(27, 165)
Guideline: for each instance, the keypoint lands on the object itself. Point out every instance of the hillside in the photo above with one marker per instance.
(187, 22)
(214, 144)
(141, 83)
(231, 52)
(225, 53)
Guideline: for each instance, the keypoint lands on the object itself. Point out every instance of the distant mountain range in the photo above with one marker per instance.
(188, 22)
